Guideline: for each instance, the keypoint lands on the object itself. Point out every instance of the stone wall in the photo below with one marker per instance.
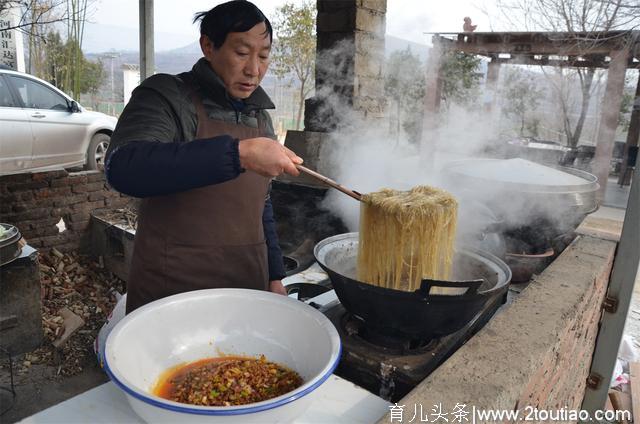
(36, 202)
(349, 75)
(536, 352)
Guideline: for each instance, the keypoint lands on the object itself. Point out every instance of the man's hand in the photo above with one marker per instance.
(267, 157)
(276, 286)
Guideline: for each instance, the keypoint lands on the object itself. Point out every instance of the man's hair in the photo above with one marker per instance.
(232, 16)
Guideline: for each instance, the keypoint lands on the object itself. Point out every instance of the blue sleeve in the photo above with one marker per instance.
(153, 168)
(276, 266)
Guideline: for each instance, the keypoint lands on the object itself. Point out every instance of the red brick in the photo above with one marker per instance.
(60, 182)
(77, 179)
(71, 200)
(95, 186)
(79, 225)
(96, 196)
(48, 176)
(87, 206)
(37, 223)
(42, 193)
(10, 198)
(58, 212)
(31, 214)
(42, 231)
(96, 176)
(80, 188)
(20, 207)
(78, 216)
(26, 196)
(14, 178)
(31, 185)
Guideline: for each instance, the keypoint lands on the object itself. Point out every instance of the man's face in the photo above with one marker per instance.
(241, 61)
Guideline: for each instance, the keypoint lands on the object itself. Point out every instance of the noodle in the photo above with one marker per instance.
(406, 236)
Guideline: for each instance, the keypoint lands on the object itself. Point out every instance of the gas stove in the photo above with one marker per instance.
(386, 366)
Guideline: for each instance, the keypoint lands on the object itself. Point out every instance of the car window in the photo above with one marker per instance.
(5, 95)
(37, 96)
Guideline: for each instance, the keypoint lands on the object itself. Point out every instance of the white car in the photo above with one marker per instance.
(41, 128)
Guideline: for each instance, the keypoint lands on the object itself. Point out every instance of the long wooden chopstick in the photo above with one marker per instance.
(330, 182)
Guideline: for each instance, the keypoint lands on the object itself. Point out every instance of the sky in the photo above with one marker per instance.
(407, 19)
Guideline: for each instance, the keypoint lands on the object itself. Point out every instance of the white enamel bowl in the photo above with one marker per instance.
(209, 323)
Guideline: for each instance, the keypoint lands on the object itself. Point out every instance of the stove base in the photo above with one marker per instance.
(391, 373)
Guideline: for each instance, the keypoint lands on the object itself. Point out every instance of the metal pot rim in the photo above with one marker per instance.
(497, 265)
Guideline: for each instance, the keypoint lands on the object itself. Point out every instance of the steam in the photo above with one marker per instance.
(364, 153)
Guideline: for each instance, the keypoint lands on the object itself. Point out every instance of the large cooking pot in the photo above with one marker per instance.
(522, 192)
(436, 309)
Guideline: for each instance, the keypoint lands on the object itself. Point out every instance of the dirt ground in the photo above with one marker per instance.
(49, 375)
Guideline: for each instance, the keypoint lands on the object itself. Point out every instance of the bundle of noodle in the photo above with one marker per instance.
(406, 236)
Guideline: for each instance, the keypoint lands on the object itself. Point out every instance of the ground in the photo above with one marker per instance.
(47, 376)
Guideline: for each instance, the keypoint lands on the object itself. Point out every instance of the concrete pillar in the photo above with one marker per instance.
(147, 57)
(609, 120)
(632, 136)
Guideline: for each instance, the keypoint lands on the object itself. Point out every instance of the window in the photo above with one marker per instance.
(5, 95)
(37, 96)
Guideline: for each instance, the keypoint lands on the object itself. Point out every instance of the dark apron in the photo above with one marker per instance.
(210, 237)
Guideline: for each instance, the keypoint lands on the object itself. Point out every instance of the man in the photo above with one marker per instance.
(198, 148)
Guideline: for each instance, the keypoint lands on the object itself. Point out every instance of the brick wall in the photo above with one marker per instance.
(36, 202)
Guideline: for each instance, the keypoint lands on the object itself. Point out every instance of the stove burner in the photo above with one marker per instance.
(390, 367)
(356, 328)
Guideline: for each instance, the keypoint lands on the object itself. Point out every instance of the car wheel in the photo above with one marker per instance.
(97, 151)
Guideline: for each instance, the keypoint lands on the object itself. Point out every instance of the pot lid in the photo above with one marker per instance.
(10, 248)
(8, 234)
(521, 175)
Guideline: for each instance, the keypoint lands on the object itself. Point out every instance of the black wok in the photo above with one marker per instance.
(436, 309)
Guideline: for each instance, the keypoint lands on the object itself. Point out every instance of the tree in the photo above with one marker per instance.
(461, 78)
(572, 16)
(58, 70)
(33, 14)
(521, 96)
(626, 106)
(294, 49)
(404, 84)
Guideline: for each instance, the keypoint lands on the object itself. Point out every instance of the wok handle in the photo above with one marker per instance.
(330, 182)
(472, 287)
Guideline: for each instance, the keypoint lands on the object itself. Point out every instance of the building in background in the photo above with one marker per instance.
(131, 79)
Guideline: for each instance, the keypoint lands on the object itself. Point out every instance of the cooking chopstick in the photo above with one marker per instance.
(330, 182)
